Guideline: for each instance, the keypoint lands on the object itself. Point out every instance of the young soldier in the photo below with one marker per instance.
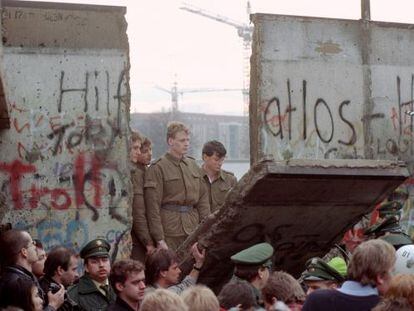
(175, 197)
(141, 239)
(218, 181)
(253, 265)
(128, 280)
(93, 291)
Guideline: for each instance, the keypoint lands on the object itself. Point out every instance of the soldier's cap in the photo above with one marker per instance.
(95, 248)
(318, 270)
(388, 224)
(389, 208)
(397, 239)
(255, 255)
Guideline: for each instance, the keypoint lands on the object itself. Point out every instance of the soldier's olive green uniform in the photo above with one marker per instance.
(175, 199)
(139, 233)
(88, 296)
(218, 189)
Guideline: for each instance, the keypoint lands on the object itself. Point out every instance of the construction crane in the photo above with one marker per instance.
(175, 92)
(244, 31)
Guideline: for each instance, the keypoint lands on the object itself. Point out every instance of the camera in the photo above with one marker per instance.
(54, 288)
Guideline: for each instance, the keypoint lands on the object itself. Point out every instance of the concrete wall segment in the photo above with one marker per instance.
(64, 161)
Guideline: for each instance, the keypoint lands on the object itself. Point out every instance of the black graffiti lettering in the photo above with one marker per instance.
(391, 146)
(315, 115)
(63, 91)
(327, 153)
(267, 114)
(304, 108)
(353, 138)
(289, 110)
(74, 139)
(249, 233)
(60, 132)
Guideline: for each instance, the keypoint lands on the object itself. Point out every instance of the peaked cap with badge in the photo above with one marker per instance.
(318, 270)
(255, 255)
(95, 248)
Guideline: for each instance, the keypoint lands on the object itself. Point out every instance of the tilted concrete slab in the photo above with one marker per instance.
(302, 207)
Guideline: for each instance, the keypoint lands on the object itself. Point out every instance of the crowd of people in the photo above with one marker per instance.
(170, 198)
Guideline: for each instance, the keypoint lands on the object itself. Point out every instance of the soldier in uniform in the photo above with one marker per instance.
(324, 275)
(93, 291)
(141, 240)
(218, 181)
(253, 265)
(175, 197)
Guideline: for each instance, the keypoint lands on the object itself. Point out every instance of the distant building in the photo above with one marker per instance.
(232, 131)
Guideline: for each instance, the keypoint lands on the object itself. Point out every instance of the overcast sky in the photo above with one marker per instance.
(170, 45)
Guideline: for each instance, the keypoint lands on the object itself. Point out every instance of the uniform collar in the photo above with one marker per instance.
(175, 160)
(221, 174)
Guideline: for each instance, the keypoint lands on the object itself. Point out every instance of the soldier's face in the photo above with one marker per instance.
(98, 268)
(145, 156)
(179, 144)
(213, 162)
(133, 288)
(315, 285)
(135, 151)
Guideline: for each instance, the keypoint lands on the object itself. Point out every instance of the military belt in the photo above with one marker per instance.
(177, 208)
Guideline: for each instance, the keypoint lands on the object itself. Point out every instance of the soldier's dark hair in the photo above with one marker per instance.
(159, 260)
(236, 292)
(146, 143)
(212, 147)
(58, 257)
(246, 272)
(11, 243)
(121, 269)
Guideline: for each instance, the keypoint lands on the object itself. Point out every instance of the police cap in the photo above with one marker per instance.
(95, 248)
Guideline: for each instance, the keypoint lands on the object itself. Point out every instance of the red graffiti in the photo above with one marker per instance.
(16, 170)
(59, 197)
(394, 118)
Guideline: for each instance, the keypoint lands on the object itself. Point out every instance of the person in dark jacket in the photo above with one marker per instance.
(93, 291)
(18, 255)
(128, 280)
(60, 268)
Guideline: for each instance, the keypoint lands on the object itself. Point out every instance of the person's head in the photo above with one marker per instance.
(135, 148)
(372, 263)
(22, 293)
(200, 298)
(128, 280)
(281, 286)
(178, 138)
(146, 152)
(235, 293)
(322, 275)
(96, 259)
(402, 285)
(163, 300)
(18, 248)
(397, 304)
(253, 264)
(62, 265)
(162, 267)
(213, 155)
(38, 266)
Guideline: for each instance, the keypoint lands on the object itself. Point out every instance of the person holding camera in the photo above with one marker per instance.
(61, 269)
(18, 253)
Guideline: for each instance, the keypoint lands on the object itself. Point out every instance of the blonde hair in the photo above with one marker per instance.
(371, 259)
(402, 285)
(200, 298)
(174, 127)
(163, 300)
